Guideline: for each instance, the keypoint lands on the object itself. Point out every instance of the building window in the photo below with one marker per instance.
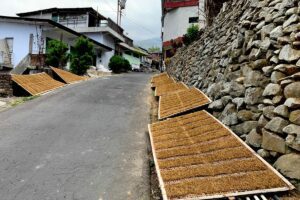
(193, 20)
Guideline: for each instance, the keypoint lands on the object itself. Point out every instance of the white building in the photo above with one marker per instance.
(89, 22)
(23, 40)
(177, 16)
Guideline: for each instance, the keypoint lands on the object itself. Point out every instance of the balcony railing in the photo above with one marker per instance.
(111, 24)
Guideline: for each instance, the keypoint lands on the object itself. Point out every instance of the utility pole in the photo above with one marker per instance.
(121, 7)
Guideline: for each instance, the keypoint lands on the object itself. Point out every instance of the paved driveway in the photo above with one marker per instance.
(83, 142)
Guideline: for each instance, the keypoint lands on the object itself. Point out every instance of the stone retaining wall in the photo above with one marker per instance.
(5, 85)
(248, 63)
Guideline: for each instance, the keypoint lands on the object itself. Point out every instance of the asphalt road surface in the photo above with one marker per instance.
(83, 142)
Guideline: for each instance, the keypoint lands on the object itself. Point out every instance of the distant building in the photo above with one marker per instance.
(23, 41)
(135, 55)
(177, 16)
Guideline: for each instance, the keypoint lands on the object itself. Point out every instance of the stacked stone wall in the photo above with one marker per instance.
(5, 85)
(248, 63)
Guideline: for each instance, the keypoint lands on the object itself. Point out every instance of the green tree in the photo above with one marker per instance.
(57, 54)
(82, 56)
(118, 64)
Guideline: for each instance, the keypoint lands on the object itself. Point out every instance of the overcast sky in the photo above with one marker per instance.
(141, 18)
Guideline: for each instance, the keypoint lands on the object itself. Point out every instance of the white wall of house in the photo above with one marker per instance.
(106, 40)
(176, 22)
(21, 37)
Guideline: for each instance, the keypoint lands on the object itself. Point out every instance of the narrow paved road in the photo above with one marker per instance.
(83, 142)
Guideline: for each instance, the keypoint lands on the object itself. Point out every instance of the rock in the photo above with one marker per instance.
(292, 103)
(285, 82)
(287, 4)
(282, 111)
(291, 11)
(214, 91)
(226, 99)
(284, 40)
(289, 165)
(267, 70)
(268, 101)
(295, 117)
(274, 59)
(230, 120)
(245, 127)
(298, 63)
(276, 76)
(255, 78)
(291, 28)
(276, 32)
(253, 96)
(254, 139)
(292, 129)
(266, 30)
(276, 125)
(234, 89)
(216, 105)
(289, 54)
(239, 102)
(259, 64)
(263, 153)
(277, 100)
(229, 116)
(287, 69)
(293, 142)
(255, 54)
(292, 90)
(272, 90)
(294, 18)
(265, 45)
(268, 112)
(273, 142)
(247, 115)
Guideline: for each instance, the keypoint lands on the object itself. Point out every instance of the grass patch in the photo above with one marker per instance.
(22, 100)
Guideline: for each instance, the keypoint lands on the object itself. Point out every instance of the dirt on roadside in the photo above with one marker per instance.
(154, 183)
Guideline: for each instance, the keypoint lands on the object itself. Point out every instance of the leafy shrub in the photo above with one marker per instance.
(192, 34)
(57, 55)
(118, 64)
(82, 56)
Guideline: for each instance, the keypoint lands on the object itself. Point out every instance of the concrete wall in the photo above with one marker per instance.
(105, 55)
(21, 34)
(176, 21)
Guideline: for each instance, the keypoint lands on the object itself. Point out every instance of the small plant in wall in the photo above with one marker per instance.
(193, 34)
(118, 64)
(57, 54)
(82, 56)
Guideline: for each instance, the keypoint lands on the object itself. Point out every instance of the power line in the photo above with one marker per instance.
(131, 20)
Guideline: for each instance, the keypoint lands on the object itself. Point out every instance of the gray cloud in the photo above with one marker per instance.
(141, 20)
